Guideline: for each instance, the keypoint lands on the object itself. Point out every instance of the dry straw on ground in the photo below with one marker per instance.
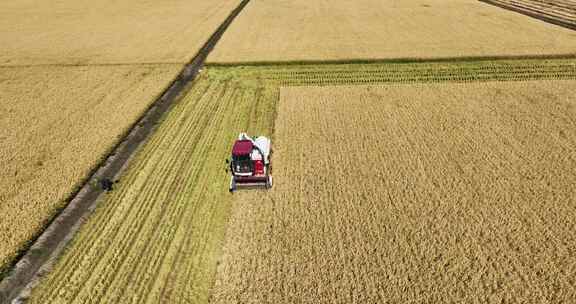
(56, 124)
(288, 30)
(107, 31)
(425, 193)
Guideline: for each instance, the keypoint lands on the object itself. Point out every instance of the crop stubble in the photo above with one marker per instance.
(440, 193)
(300, 30)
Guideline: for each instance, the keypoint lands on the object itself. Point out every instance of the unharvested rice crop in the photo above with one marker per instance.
(301, 30)
(55, 125)
(557, 10)
(107, 31)
(423, 193)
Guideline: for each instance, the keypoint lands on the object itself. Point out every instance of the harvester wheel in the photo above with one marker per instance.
(232, 184)
(269, 182)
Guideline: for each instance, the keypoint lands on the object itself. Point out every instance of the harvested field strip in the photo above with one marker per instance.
(158, 236)
(412, 193)
(562, 13)
(503, 70)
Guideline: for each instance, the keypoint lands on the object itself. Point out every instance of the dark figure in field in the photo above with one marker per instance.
(106, 184)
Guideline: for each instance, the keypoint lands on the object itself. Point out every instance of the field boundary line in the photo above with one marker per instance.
(391, 60)
(39, 258)
(532, 14)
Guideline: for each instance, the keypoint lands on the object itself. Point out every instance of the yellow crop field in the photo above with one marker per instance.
(74, 75)
(107, 31)
(301, 30)
(421, 193)
(55, 125)
(157, 238)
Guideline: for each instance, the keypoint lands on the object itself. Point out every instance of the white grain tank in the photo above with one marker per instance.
(263, 143)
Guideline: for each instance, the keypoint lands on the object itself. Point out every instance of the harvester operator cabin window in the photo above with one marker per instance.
(243, 163)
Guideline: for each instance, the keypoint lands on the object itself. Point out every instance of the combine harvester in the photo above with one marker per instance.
(250, 162)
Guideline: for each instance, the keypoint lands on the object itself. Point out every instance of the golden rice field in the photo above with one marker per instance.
(395, 182)
(421, 193)
(107, 31)
(55, 125)
(74, 76)
(300, 30)
(159, 236)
